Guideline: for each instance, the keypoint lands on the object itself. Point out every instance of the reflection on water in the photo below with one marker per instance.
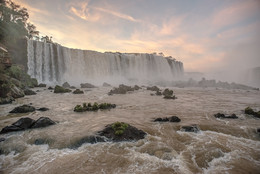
(221, 146)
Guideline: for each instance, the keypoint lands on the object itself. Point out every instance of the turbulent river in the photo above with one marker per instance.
(221, 146)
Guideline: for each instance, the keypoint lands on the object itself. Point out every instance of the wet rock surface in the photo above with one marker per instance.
(192, 128)
(43, 109)
(168, 119)
(250, 111)
(28, 123)
(219, 115)
(89, 139)
(120, 131)
(23, 109)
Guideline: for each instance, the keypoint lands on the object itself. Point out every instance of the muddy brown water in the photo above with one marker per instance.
(222, 146)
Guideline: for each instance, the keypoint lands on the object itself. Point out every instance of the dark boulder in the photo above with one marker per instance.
(219, 115)
(27, 123)
(2, 139)
(29, 92)
(89, 139)
(10, 128)
(87, 85)
(42, 85)
(250, 111)
(168, 94)
(154, 88)
(43, 109)
(66, 85)
(106, 84)
(72, 87)
(168, 119)
(122, 89)
(43, 122)
(78, 91)
(23, 109)
(258, 130)
(59, 89)
(50, 88)
(192, 128)
(120, 131)
(24, 123)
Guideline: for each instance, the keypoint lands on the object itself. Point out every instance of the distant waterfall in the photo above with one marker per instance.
(55, 64)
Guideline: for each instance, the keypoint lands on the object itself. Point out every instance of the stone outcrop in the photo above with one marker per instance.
(120, 131)
(27, 123)
(23, 109)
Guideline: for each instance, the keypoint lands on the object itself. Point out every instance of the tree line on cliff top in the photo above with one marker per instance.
(14, 24)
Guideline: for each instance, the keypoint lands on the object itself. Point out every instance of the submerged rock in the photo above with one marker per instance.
(168, 119)
(23, 109)
(59, 89)
(89, 139)
(42, 122)
(78, 91)
(120, 131)
(192, 128)
(87, 85)
(72, 87)
(66, 85)
(219, 115)
(29, 92)
(50, 88)
(43, 109)
(158, 93)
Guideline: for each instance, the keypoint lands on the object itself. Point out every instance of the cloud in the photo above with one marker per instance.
(92, 13)
(235, 13)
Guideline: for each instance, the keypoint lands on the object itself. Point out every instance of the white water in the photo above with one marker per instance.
(53, 63)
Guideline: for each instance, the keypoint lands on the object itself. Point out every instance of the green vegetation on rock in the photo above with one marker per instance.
(119, 127)
(250, 111)
(94, 107)
(59, 89)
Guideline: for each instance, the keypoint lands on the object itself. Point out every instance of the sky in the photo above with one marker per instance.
(206, 35)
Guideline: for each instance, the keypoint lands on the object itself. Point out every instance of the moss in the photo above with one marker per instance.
(79, 108)
(249, 111)
(94, 107)
(119, 127)
(59, 89)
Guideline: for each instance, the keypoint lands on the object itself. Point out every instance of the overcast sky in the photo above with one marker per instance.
(206, 35)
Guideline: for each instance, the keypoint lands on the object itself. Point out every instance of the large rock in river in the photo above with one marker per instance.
(23, 109)
(120, 131)
(42, 122)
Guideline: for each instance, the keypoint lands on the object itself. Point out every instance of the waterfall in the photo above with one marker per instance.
(54, 64)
